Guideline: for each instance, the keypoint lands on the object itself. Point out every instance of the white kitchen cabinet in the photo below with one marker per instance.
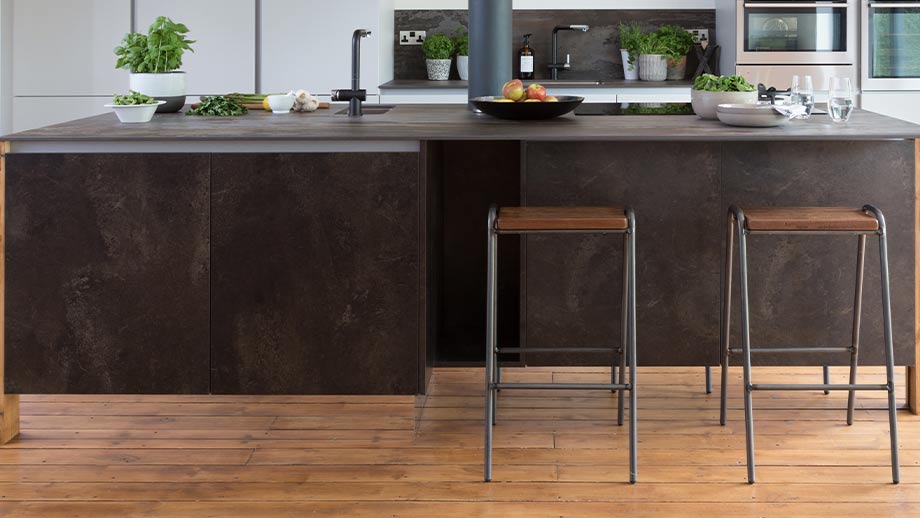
(224, 60)
(65, 48)
(35, 112)
(307, 44)
(900, 105)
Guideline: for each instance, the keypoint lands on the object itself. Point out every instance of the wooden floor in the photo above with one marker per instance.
(558, 454)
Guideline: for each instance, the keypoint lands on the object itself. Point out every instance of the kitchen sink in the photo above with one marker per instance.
(568, 82)
(370, 109)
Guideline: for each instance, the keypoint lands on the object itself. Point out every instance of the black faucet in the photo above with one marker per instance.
(556, 65)
(355, 95)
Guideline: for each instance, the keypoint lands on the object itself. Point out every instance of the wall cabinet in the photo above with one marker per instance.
(224, 60)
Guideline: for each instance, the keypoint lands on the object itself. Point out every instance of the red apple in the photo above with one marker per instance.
(536, 91)
(513, 90)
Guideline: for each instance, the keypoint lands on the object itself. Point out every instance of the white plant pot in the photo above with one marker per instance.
(438, 69)
(653, 67)
(633, 74)
(169, 87)
(706, 104)
(463, 67)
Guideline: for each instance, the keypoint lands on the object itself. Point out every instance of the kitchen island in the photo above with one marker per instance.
(321, 254)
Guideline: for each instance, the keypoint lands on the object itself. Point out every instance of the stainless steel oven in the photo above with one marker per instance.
(891, 45)
(797, 32)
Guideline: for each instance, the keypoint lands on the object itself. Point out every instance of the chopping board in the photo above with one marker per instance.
(258, 106)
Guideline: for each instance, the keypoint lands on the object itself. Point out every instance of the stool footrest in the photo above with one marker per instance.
(508, 350)
(816, 386)
(564, 386)
(736, 350)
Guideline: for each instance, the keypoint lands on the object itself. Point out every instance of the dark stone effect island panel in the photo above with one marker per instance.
(802, 287)
(595, 54)
(574, 283)
(316, 273)
(107, 274)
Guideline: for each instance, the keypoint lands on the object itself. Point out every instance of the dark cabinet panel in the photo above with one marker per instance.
(802, 287)
(107, 273)
(574, 283)
(315, 273)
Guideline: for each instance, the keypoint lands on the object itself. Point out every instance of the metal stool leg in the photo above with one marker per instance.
(727, 313)
(746, 347)
(857, 317)
(491, 296)
(624, 330)
(708, 379)
(826, 370)
(889, 343)
(633, 419)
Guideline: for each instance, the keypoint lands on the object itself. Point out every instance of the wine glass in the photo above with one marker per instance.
(840, 99)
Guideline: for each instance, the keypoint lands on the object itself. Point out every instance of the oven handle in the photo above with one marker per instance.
(882, 5)
(836, 5)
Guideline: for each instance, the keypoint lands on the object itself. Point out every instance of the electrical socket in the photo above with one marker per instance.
(411, 37)
(701, 35)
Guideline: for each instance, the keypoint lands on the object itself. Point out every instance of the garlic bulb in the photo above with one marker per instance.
(304, 102)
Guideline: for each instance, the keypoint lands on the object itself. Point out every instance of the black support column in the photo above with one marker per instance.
(490, 46)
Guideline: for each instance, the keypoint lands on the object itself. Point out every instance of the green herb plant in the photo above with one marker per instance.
(630, 40)
(712, 83)
(678, 41)
(218, 106)
(462, 42)
(132, 99)
(159, 51)
(652, 43)
(438, 46)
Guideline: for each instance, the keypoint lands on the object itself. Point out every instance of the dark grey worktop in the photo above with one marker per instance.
(456, 84)
(454, 122)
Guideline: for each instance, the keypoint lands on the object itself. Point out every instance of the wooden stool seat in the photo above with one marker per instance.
(809, 219)
(561, 218)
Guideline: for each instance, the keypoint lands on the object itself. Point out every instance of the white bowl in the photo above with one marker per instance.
(705, 103)
(750, 115)
(135, 112)
(281, 103)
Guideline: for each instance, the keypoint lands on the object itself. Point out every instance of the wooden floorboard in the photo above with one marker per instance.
(556, 453)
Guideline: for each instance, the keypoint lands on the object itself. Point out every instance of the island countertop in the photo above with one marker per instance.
(453, 123)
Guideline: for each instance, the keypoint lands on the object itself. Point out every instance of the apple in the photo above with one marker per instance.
(551, 99)
(513, 90)
(503, 100)
(533, 101)
(536, 91)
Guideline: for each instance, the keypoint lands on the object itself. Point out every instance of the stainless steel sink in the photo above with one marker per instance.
(568, 82)
(370, 109)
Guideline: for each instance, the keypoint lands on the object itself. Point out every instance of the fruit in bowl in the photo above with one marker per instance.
(514, 91)
(536, 92)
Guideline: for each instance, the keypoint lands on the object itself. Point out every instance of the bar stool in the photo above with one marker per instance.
(806, 221)
(564, 220)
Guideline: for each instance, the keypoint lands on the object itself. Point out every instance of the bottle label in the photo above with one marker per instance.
(526, 64)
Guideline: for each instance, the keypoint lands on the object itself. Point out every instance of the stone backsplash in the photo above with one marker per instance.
(595, 54)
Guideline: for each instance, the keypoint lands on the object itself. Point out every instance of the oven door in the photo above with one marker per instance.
(891, 45)
(791, 32)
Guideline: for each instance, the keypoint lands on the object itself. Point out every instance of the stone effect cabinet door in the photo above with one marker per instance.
(107, 274)
(315, 273)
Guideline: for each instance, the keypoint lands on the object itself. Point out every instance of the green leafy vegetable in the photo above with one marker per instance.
(438, 46)
(132, 99)
(630, 40)
(218, 106)
(159, 51)
(711, 83)
(652, 43)
(462, 42)
(678, 41)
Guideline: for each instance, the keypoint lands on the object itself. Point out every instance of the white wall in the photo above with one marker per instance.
(6, 65)
(565, 4)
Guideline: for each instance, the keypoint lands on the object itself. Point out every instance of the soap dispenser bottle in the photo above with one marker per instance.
(526, 58)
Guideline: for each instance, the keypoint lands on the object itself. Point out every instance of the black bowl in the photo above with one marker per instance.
(522, 111)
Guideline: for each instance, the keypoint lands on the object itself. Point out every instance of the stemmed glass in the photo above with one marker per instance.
(840, 99)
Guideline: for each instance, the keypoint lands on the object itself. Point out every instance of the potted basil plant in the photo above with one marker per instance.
(438, 49)
(154, 59)
(679, 43)
(653, 58)
(630, 37)
(462, 45)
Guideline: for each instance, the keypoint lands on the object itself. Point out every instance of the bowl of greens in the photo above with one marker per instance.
(134, 107)
(710, 91)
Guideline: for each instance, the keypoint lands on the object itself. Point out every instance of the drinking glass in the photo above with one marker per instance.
(803, 92)
(840, 99)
